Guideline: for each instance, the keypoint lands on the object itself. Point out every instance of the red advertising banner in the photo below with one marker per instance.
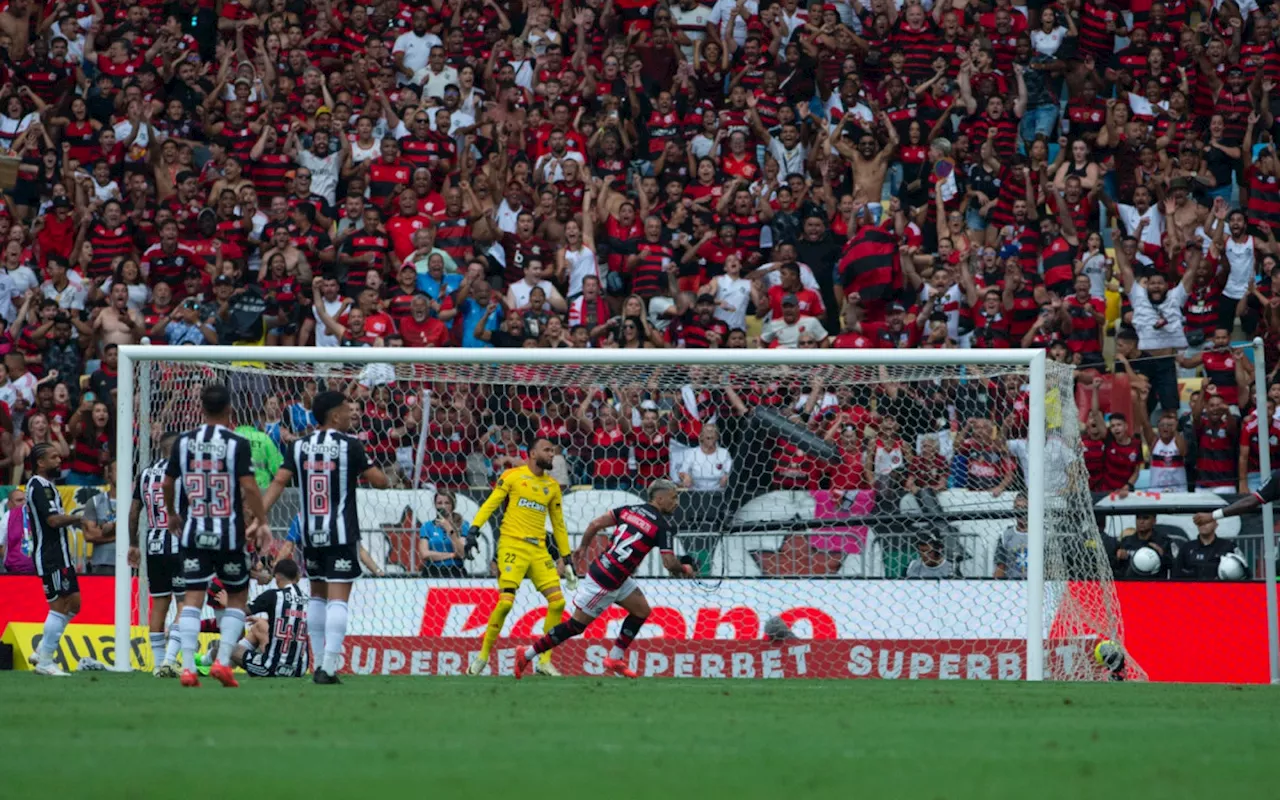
(1189, 632)
(915, 659)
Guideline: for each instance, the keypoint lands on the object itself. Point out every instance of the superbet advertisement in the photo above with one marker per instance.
(950, 630)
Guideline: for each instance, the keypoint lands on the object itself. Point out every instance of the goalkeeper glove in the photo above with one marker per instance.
(570, 577)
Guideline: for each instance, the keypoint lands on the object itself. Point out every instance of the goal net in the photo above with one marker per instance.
(852, 519)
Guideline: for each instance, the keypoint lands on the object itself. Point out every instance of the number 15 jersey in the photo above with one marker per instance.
(327, 466)
(206, 465)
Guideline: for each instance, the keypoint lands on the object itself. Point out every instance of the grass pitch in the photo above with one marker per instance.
(106, 736)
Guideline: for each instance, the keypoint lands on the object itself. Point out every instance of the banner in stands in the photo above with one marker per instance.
(889, 629)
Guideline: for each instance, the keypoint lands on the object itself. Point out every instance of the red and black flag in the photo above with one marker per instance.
(869, 265)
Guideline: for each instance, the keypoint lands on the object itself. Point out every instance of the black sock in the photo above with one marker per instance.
(559, 634)
(630, 627)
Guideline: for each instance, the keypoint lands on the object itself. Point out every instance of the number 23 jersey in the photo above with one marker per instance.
(206, 464)
(639, 529)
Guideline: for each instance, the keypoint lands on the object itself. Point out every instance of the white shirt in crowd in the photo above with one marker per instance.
(720, 18)
(693, 24)
(709, 471)
(788, 336)
(1153, 233)
(324, 172)
(323, 337)
(416, 49)
(1146, 318)
(520, 291)
(735, 293)
(582, 264)
(433, 83)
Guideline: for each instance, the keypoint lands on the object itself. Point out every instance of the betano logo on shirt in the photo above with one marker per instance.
(529, 504)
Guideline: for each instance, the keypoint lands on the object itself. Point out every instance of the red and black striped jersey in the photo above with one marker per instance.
(108, 244)
(639, 529)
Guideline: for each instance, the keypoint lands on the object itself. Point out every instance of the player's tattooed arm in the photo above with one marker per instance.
(605, 520)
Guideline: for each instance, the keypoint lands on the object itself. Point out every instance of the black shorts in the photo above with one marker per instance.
(60, 582)
(339, 563)
(164, 576)
(255, 663)
(200, 567)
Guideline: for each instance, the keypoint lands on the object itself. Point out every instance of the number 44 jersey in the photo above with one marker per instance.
(206, 465)
(639, 529)
(327, 466)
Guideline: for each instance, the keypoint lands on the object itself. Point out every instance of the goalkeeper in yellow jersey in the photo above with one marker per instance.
(531, 495)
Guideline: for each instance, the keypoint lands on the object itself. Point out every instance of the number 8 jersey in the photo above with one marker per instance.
(640, 529)
(327, 466)
(206, 465)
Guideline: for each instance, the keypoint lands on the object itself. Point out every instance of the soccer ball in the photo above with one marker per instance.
(1110, 656)
(1146, 561)
(1232, 567)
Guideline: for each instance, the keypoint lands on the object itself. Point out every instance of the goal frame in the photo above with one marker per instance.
(1033, 360)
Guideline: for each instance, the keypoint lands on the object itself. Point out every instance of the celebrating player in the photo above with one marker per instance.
(1269, 492)
(608, 580)
(532, 495)
(208, 486)
(52, 556)
(275, 636)
(164, 566)
(328, 465)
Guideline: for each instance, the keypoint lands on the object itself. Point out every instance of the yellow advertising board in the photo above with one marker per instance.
(95, 641)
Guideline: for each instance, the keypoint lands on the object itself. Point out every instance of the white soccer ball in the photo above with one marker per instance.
(1232, 567)
(1146, 561)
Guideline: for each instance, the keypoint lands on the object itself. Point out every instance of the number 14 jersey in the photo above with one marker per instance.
(327, 466)
(640, 529)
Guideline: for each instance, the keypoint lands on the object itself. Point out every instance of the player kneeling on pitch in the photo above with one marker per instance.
(608, 580)
(275, 636)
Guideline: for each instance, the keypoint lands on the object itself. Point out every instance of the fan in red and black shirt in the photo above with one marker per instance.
(698, 329)
(1122, 459)
(1226, 370)
(639, 529)
(1088, 315)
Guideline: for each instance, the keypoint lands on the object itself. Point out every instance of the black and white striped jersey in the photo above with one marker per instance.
(207, 464)
(149, 492)
(327, 466)
(43, 501)
(286, 652)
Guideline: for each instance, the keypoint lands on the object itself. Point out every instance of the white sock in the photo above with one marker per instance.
(617, 653)
(54, 625)
(174, 644)
(189, 631)
(315, 626)
(335, 630)
(530, 653)
(157, 647)
(246, 644)
(231, 629)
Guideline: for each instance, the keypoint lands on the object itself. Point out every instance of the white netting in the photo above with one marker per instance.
(846, 521)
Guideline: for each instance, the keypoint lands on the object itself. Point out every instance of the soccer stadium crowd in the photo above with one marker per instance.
(1094, 178)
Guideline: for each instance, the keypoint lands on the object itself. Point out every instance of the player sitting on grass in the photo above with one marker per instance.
(48, 522)
(532, 495)
(275, 636)
(608, 580)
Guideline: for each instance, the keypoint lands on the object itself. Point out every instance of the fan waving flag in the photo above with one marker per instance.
(869, 265)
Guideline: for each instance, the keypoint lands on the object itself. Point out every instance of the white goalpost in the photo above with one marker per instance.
(786, 420)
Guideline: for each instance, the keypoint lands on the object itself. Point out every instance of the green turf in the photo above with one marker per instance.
(104, 736)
